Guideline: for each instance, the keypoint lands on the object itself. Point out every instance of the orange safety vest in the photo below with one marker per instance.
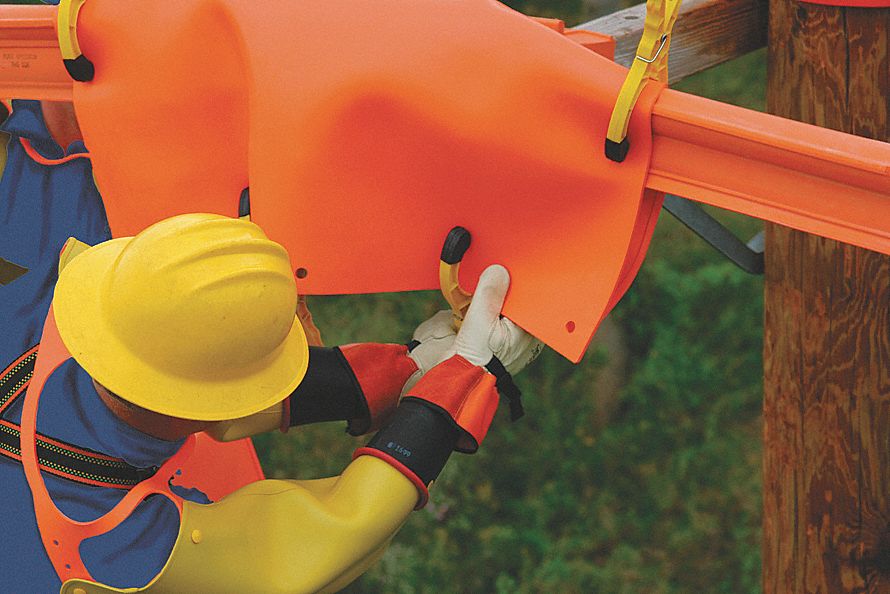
(198, 461)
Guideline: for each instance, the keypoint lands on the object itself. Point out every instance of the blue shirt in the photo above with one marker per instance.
(40, 207)
(128, 556)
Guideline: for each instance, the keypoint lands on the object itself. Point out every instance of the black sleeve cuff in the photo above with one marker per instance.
(420, 437)
(328, 392)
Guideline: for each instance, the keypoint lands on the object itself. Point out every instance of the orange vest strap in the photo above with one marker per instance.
(60, 534)
(57, 457)
(37, 157)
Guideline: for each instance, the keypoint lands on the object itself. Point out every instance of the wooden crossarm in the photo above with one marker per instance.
(707, 33)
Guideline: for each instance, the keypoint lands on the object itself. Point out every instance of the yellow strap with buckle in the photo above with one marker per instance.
(77, 65)
(67, 30)
(651, 62)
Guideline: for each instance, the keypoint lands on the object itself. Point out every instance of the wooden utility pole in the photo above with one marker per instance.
(827, 329)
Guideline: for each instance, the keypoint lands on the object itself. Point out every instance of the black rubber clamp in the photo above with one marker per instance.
(80, 68)
(456, 245)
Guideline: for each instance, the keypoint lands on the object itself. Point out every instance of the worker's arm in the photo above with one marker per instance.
(309, 536)
(289, 536)
(357, 383)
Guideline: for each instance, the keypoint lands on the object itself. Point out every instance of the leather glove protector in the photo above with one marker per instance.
(485, 334)
(451, 407)
(432, 343)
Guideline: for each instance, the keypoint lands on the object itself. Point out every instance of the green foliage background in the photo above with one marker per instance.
(655, 488)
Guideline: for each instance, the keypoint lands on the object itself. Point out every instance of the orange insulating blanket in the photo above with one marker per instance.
(366, 131)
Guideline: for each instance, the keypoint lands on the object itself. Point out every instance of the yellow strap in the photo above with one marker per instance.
(456, 244)
(313, 334)
(72, 248)
(457, 298)
(67, 28)
(651, 62)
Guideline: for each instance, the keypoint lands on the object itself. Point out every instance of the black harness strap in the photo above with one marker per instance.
(15, 378)
(58, 457)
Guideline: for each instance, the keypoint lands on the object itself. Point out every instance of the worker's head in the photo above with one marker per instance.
(193, 318)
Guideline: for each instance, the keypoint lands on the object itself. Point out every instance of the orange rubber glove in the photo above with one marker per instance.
(362, 383)
(452, 406)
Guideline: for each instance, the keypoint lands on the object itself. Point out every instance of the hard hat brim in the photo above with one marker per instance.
(84, 330)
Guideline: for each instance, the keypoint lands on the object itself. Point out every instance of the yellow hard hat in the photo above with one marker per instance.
(192, 318)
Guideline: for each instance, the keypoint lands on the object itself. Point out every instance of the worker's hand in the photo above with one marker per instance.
(433, 342)
(385, 373)
(453, 404)
(485, 334)
(485, 351)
